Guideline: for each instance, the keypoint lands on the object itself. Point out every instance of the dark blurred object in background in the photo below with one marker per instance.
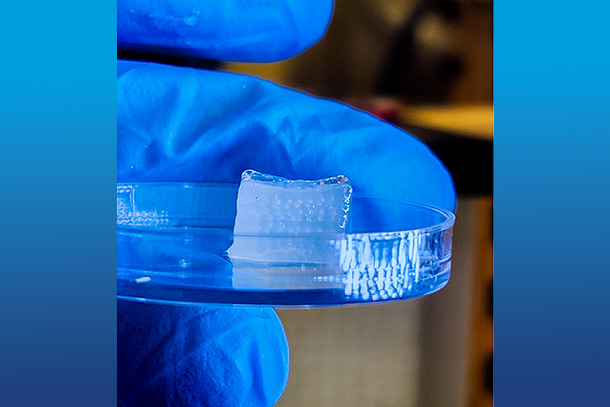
(421, 51)
(422, 66)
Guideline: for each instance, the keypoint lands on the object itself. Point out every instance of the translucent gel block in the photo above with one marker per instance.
(290, 210)
(270, 205)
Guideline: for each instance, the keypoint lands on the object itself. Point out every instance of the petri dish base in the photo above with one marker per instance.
(176, 245)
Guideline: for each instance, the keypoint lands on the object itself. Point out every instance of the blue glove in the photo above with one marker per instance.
(179, 124)
(223, 30)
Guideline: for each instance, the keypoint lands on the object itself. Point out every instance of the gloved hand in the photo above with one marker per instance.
(181, 124)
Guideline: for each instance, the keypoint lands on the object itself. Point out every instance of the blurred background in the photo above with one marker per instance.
(425, 66)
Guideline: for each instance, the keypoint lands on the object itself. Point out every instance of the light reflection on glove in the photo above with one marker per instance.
(181, 124)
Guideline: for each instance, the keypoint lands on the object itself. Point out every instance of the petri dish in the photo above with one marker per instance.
(176, 244)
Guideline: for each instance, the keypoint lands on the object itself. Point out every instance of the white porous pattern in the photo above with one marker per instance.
(128, 215)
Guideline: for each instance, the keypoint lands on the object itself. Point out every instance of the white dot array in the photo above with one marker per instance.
(268, 205)
(127, 216)
(385, 266)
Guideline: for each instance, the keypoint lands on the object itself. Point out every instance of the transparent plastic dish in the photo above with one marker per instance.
(174, 242)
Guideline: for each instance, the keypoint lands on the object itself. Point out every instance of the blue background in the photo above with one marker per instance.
(58, 165)
(552, 194)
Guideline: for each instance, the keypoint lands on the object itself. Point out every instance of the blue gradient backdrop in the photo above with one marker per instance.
(58, 166)
(552, 194)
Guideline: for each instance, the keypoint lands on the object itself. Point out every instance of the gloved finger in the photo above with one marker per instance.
(199, 356)
(180, 124)
(195, 356)
(225, 30)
